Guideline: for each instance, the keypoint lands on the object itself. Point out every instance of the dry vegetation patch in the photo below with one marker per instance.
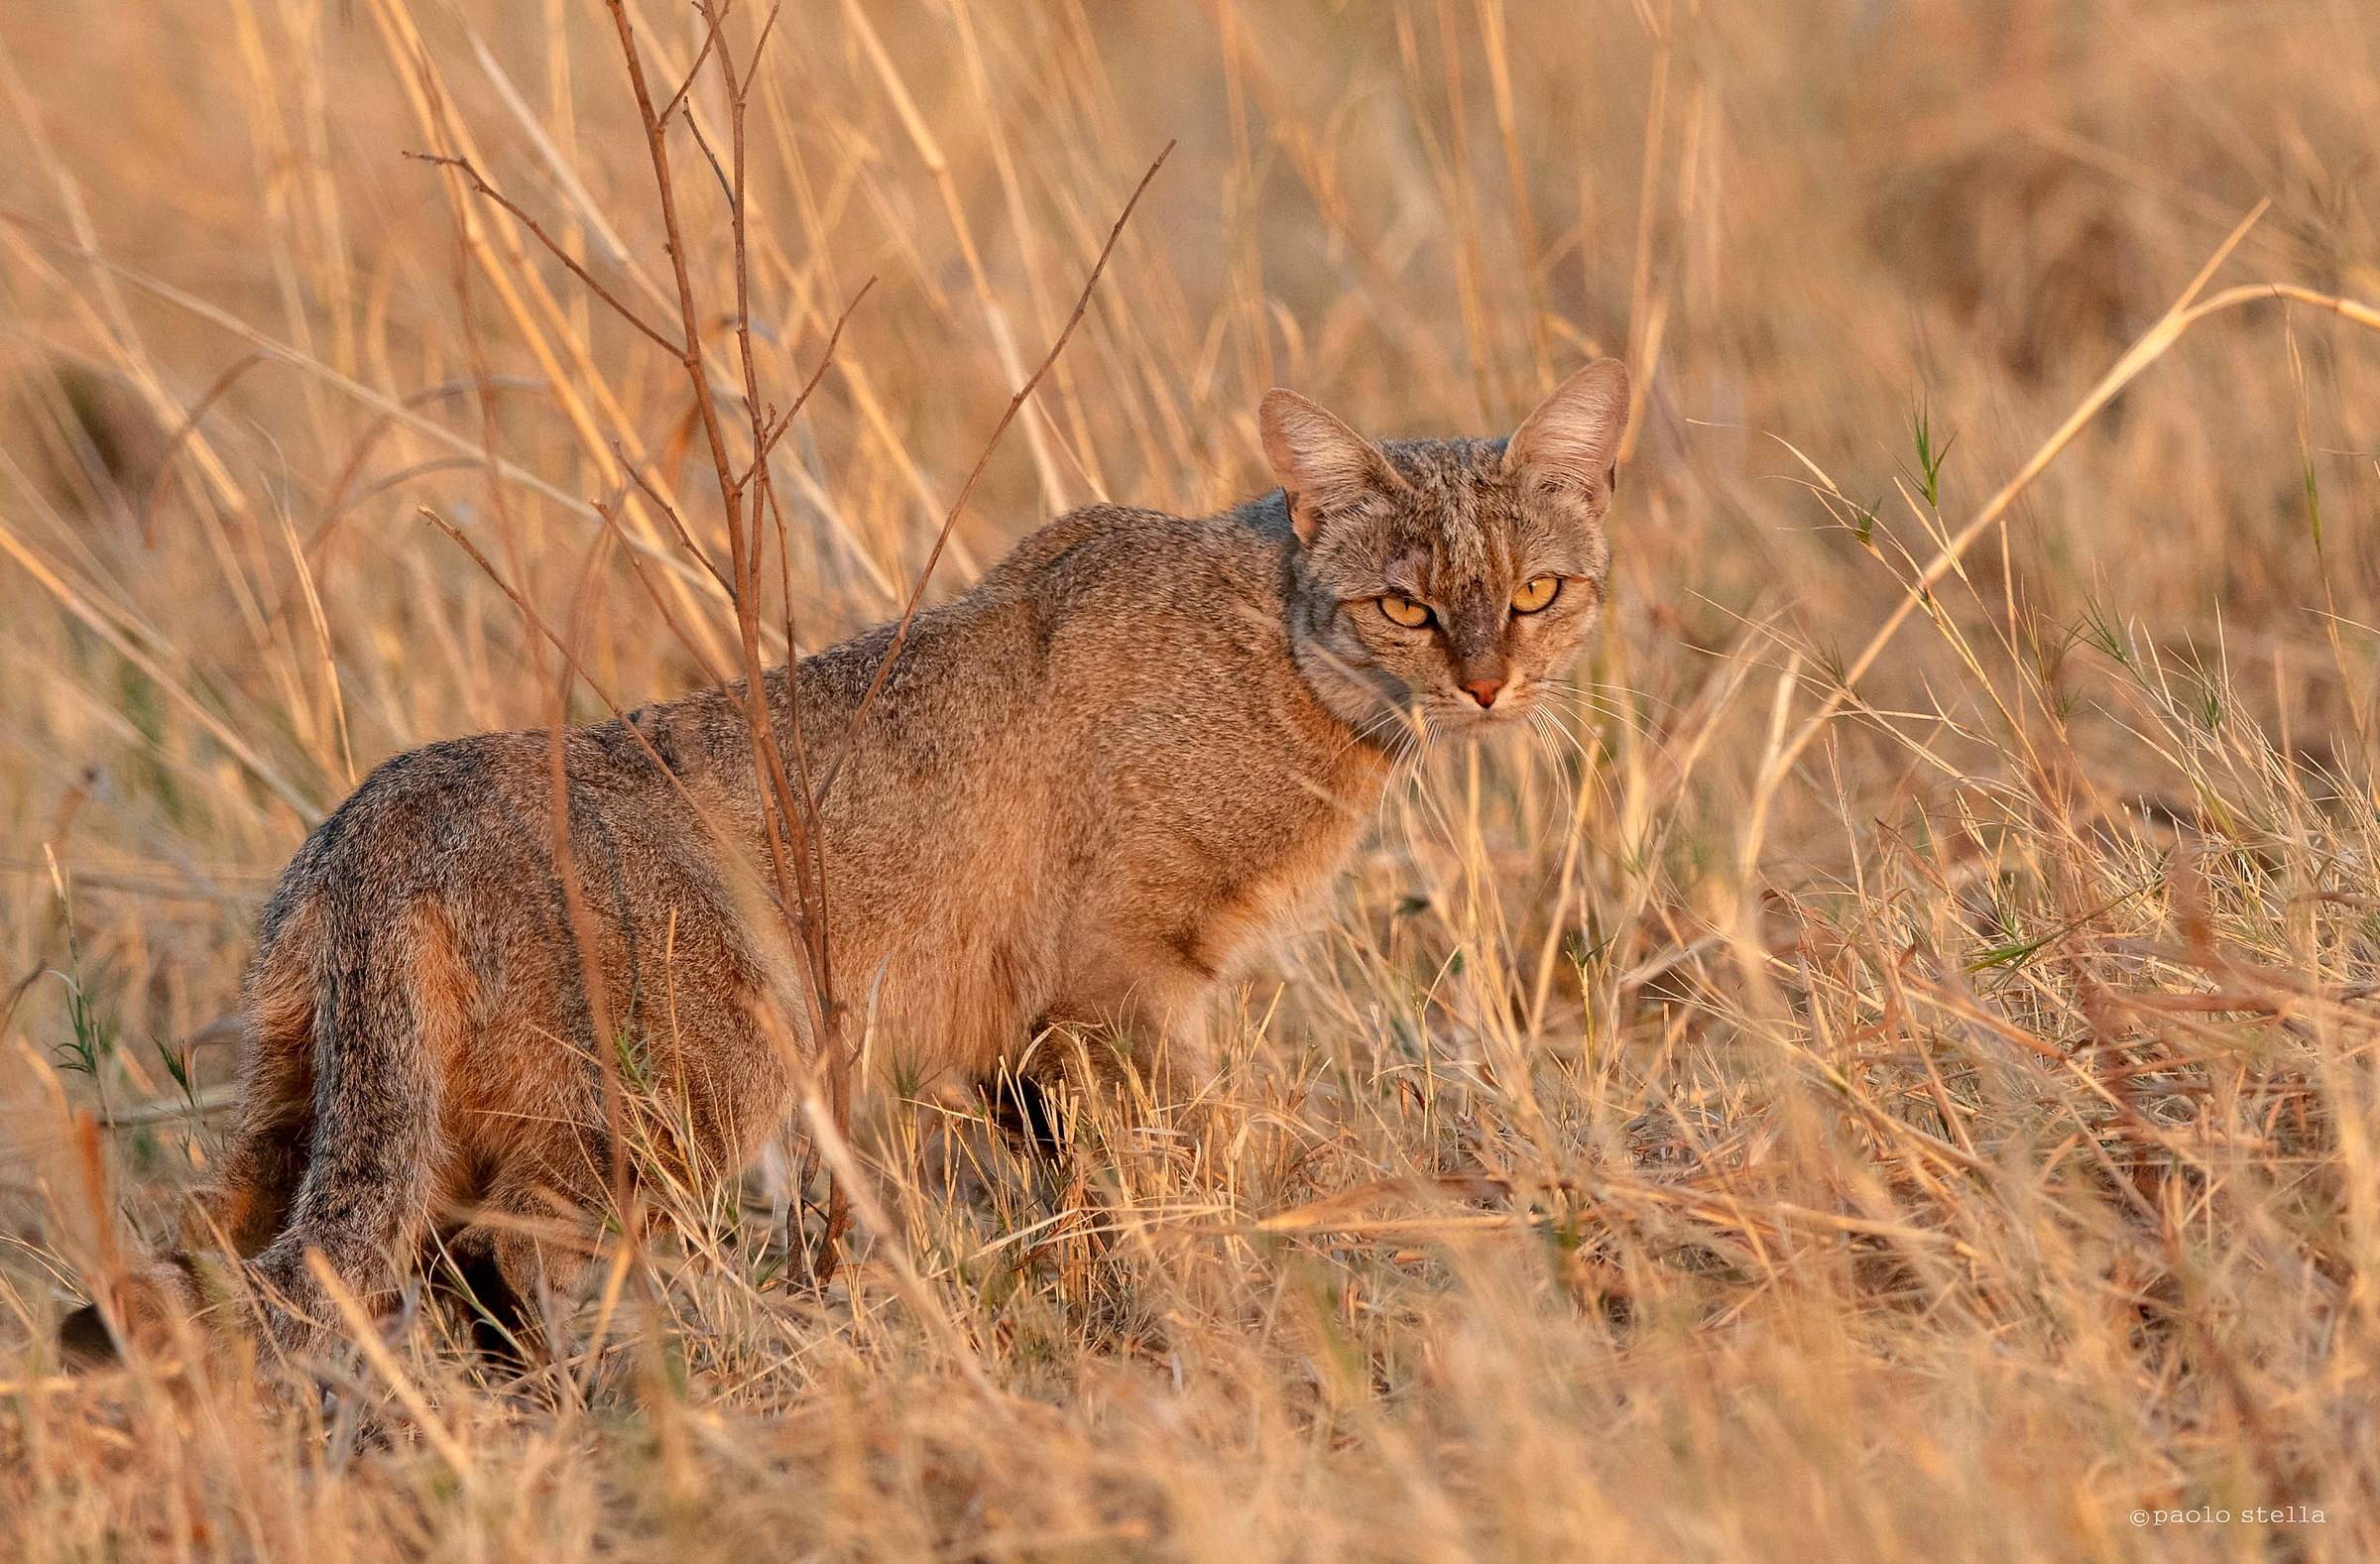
(1884, 1071)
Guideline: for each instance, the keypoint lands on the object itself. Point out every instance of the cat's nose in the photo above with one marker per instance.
(1484, 690)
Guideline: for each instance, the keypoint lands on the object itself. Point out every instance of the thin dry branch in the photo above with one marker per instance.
(594, 283)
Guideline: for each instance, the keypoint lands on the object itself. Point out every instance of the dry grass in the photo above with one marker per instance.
(1841, 1094)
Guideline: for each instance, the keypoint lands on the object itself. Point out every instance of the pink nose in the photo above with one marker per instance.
(1484, 690)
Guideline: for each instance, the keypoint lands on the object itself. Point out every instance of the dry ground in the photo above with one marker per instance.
(1890, 1075)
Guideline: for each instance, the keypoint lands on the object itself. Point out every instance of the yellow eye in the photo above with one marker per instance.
(1404, 611)
(1535, 593)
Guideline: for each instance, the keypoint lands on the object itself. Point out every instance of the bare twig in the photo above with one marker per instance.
(788, 827)
(479, 183)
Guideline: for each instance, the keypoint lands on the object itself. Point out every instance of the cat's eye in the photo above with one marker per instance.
(1535, 593)
(1404, 611)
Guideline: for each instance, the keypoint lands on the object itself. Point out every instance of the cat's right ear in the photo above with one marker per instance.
(1318, 461)
(1572, 442)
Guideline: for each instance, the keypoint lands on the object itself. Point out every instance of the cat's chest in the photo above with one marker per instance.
(1270, 862)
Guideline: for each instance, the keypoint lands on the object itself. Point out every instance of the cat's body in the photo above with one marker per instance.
(1085, 788)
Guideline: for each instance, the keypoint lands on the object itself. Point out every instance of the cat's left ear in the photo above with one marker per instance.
(1570, 443)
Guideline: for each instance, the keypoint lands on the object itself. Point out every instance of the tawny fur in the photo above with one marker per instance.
(1087, 786)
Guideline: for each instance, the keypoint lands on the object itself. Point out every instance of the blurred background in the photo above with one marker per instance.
(1863, 257)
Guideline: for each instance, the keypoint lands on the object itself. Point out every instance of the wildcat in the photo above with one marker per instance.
(1085, 788)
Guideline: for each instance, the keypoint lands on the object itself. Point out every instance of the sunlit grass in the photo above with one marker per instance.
(1884, 1071)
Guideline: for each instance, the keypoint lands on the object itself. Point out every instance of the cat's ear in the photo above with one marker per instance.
(1319, 461)
(1572, 442)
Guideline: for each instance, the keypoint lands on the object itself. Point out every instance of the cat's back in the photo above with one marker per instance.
(1143, 588)
(1109, 634)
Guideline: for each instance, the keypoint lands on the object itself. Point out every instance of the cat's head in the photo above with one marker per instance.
(1448, 581)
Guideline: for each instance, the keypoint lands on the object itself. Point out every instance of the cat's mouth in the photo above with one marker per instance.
(1455, 712)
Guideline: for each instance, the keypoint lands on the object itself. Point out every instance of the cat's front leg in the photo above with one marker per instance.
(1171, 1042)
(1153, 1016)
